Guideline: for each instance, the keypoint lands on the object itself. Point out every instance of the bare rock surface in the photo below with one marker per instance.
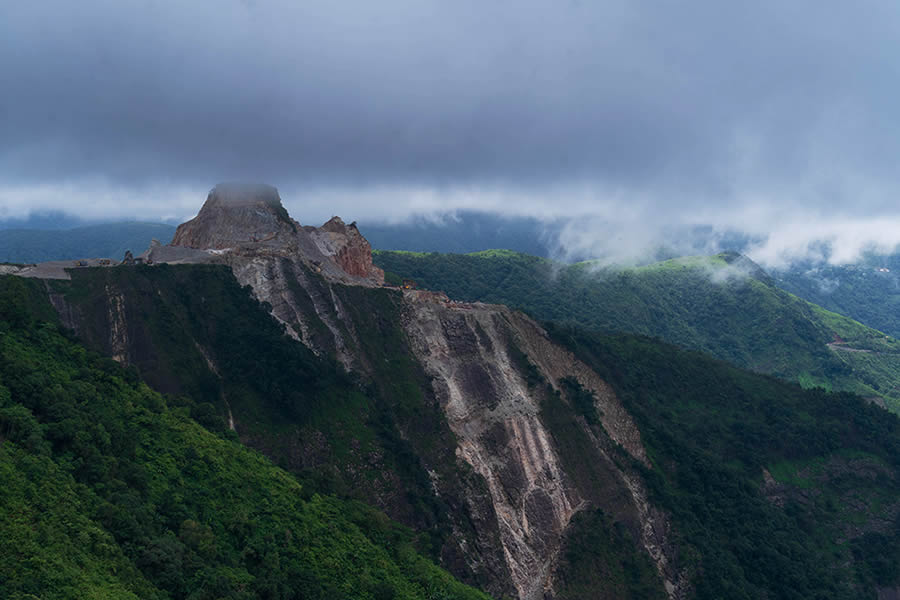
(496, 420)
(249, 220)
(235, 214)
(347, 246)
(496, 417)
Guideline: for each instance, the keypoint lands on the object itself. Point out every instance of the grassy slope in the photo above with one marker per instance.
(109, 493)
(707, 304)
(868, 291)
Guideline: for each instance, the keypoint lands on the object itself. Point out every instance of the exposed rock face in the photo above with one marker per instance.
(465, 350)
(496, 416)
(496, 420)
(236, 214)
(348, 247)
(118, 326)
(249, 220)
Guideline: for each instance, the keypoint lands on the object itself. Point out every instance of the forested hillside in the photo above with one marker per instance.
(774, 489)
(111, 490)
(723, 305)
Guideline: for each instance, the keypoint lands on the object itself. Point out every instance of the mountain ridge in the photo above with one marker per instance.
(526, 456)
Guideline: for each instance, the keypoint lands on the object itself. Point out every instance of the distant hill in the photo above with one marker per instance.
(476, 231)
(467, 231)
(723, 305)
(45, 220)
(109, 240)
(868, 291)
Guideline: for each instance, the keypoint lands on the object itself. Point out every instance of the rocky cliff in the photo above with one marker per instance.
(472, 396)
(347, 246)
(237, 214)
(468, 352)
(480, 358)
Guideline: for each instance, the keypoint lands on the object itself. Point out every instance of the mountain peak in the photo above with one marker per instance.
(248, 219)
(236, 214)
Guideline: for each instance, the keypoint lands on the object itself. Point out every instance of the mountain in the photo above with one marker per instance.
(723, 305)
(109, 240)
(532, 460)
(868, 291)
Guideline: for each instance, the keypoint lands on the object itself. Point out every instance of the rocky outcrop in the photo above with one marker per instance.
(246, 227)
(305, 304)
(249, 220)
(347, 246)
(236, 214)
(118, 326)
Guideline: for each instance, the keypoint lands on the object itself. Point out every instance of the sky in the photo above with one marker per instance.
(634, 120)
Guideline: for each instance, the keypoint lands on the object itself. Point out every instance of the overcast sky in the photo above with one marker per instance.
(772, 117)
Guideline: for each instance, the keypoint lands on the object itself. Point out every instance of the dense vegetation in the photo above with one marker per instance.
(824, 525)
(110, 492)
(722, 305)
(109, 240)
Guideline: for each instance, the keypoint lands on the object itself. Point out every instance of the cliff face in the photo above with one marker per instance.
(469, 395)
(480, 358)
(348, 247)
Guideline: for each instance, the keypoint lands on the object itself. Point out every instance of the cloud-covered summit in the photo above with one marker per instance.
(769, 117)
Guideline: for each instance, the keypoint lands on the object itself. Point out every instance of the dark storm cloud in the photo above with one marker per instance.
(706, 111)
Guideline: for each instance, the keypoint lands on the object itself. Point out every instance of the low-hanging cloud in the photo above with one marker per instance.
(637, 120)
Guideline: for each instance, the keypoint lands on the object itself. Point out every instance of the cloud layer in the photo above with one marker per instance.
(777, 119)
